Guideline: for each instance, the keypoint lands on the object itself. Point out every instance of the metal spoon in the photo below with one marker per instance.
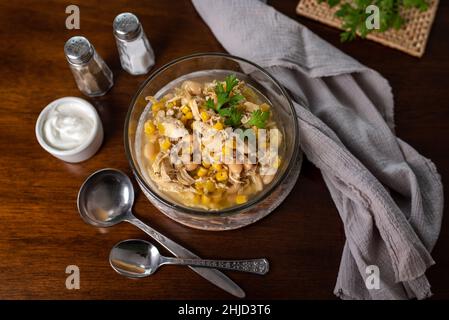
(138, 258)
(106, 198)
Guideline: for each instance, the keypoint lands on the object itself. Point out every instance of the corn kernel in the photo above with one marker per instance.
(161, 128)
(157, 106)
(199, 187)
(189, 115)
(170, 104)
(218, 126)
(202, 172)
(149, 127)
(196, 198)
(166, 144)
(264, 107)
(217, 166)
(206, 165)
(221, 176)
(185, 109)
(209, 186)
(205, 199)
(204, 116)
(241, 198)
(184, 119)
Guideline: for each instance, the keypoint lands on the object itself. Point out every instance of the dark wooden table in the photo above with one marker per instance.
(40, 229)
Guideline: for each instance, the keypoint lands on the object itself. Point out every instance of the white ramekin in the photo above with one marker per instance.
(83, 151)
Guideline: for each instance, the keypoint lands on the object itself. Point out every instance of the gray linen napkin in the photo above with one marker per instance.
(389, 197)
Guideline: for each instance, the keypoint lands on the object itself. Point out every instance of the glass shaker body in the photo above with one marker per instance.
(136, 54)
(93, 77)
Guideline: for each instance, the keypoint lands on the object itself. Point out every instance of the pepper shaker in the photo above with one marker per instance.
(136, 54)
(93, 77)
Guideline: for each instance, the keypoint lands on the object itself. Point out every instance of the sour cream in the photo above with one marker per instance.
(70, 129)
(68, 126)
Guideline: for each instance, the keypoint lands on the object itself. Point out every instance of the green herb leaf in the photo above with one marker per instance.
(333, 3)
(210, 104)
(231, 81)
(227, 105)
(222, 96)
(232, 115)
(259, 119)
(420, 4)
(354, 16)
(235, 99)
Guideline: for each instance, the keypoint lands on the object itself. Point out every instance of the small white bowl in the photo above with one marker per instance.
(82, 152)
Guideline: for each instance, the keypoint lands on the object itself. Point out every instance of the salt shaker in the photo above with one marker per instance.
(93, 77)
(136, 54)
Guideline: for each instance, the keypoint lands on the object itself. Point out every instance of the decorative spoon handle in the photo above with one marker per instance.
(214, 276)
(258, 266)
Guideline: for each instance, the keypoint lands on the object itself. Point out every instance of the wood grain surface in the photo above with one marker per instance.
(40, 229)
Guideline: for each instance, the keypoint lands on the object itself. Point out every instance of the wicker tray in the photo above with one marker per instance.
(411, 38)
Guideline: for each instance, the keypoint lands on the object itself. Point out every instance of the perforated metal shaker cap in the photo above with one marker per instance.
(78, 50)
(126, 26)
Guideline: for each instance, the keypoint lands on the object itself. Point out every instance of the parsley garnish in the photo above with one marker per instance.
(226, 105)
(259, 119)
(233, 116)
(353, 15)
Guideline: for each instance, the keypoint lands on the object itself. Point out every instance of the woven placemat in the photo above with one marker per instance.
(411, 38)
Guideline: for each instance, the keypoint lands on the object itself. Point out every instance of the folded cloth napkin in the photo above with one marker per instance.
(389, 197)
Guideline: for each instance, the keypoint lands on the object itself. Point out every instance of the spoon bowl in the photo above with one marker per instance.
(134, 258)
(106, 198)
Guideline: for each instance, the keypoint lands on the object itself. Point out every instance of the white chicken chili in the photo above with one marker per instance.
(211, 144)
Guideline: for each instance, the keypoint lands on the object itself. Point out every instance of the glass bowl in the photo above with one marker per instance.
(217, 65)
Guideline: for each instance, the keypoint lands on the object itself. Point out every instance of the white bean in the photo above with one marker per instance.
(267, 178)
(149, 151)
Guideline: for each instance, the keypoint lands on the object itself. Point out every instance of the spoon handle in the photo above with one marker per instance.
(257, 266)
(212, 275)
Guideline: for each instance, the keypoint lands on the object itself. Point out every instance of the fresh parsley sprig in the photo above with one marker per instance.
(226, 105)
(353, 15)
(232, 115)
(259, 119)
